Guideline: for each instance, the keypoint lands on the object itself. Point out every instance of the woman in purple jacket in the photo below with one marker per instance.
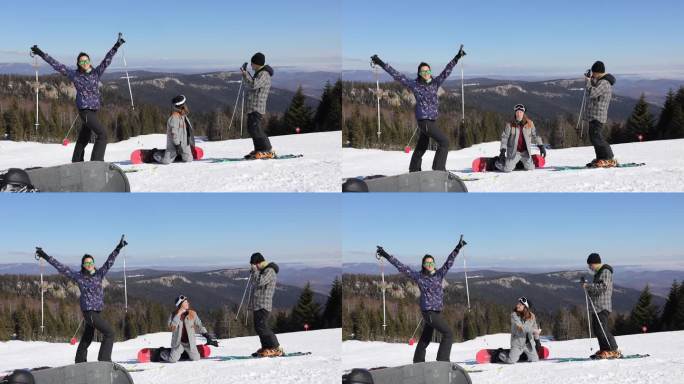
(89, 280)
(86, 79)
(425, 89)
(429, 283)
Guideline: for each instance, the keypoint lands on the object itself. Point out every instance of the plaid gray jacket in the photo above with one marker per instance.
(599, 98)
(258, 88)
(601, 290)
(264, 288)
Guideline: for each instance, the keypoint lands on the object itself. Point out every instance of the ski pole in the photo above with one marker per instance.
(580, 122)
(599, 321)
(125, 284)
(586, 299)
(128, 78)
(77, 328)
(242, 113)
(462, 94)
(465, 270)
(384, 312)
(235, 108)
(377, 92)
(35, 66)
(42, 298)
(416, 330)
(249, 280)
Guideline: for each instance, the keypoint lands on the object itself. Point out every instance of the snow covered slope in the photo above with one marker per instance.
(663, 172)
(317, 171)
(664, 366)
(323, 366)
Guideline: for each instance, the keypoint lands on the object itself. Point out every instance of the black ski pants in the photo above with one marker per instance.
(428, 129)
(601, 146)
(266, 336)
(93, 320)
(257, 132)
(90, 125)
(433, 321)
(606, 342)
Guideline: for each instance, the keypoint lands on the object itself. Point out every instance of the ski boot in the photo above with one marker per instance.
(272, 352)
(250, 155)
(264, 155)
(258, 352)
(606, 163)
(592, 164)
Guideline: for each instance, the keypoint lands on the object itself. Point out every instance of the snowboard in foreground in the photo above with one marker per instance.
(426, 181)
(91, 176)
(82, 373)
(434, 372)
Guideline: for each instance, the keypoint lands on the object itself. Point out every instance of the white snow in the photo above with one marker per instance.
(317, 171)
(665, 365)
(323, 366)
(663, 172)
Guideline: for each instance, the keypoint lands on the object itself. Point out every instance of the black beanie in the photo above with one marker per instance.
(594, 258)
(256, 258)
(178, 100)
(598, 67)
(259, 59)
(423, 64)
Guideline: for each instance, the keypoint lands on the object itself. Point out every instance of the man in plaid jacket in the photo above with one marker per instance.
(599, 86)
(264, 275)
(601, 293)
(258, 87)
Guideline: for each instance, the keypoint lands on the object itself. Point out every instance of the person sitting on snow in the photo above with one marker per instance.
(179, 137)
(516, 141)
(524, 334)
(183, 323)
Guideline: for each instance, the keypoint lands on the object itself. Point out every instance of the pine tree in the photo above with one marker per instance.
(297, 115)
(332, 315)
(306, 311)
(670, 309)
(640, 123)
(645, 313)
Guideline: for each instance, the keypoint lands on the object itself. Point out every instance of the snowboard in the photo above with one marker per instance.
(82, 373)
(434, 372)
(140, 156)
(236, 159)
(147, 355)
(485, 356)
(486, 164)
(426, 181)
(91, 176)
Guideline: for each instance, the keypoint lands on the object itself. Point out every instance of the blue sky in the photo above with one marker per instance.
(518, 37)
(173, 229)
(196, 34)
(518, 230)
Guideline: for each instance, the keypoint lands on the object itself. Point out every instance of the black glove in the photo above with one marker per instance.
(376, 60)
(502, 155)
(587, 74)
(211, 339)
(120, 40)
(542, 151)
(122, 243)
(36, 51)
(244, 67)
(179, 149)
(460, 53)
(40, 254)
(461, 243)
(381, 252)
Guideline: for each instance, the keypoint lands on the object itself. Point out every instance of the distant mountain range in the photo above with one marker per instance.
(631, 278)
(321, 278)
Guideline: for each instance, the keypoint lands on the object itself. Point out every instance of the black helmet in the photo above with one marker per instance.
(354, 185)
(15, 180)
(21, 376)
(357, 376)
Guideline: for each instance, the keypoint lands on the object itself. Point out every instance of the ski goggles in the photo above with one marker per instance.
(428, 72)
(429, 263)
(519, 107)
(88, 263)
(523, 301)
(180, 300)
(83, 62)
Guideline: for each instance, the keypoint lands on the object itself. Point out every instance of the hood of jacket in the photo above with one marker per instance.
(266, 68)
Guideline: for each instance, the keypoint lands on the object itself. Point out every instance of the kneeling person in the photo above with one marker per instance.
(516, 142)
(183, 323)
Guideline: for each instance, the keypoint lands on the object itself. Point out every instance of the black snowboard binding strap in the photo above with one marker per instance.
(16, 180)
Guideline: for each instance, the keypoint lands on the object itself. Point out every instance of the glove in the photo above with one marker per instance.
(179, 149)
(36, 51)
(502, 154)
(120, 40)
(40, 253)
(211, 339)
(381, 252)
(376, 60)
(122, 243)
(542, 151)
(460, 53)
(587, 74)
(461, 243)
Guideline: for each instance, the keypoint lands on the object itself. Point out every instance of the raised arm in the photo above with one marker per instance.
(112, 257)
(396, 75)
(449, 67)
(415, 276)
(450, 259)
(107, 60)
(61, 268)
(56, 65)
